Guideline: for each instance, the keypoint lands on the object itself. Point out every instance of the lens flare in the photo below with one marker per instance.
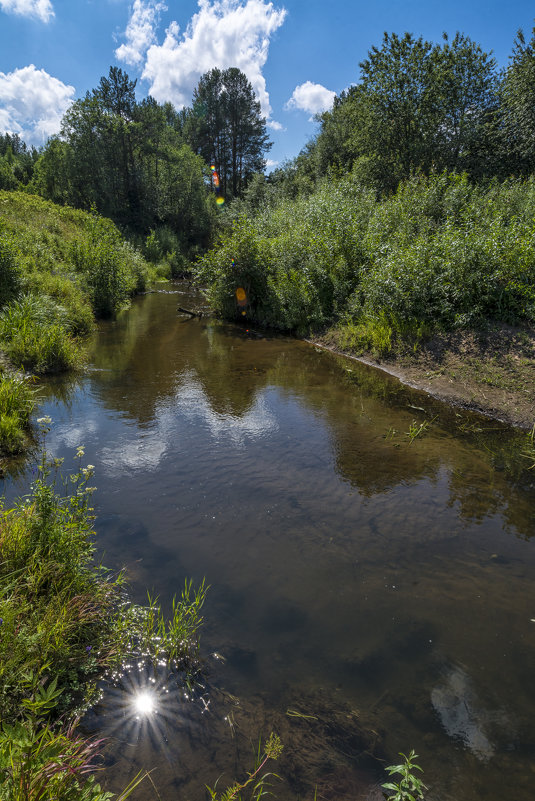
(240, 294)
(220, 201)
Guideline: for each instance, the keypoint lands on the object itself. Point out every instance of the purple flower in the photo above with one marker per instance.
(88, 648)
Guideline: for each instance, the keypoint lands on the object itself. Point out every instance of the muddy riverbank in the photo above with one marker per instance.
(491, 372)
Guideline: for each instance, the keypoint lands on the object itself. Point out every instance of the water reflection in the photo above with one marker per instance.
(371, 583)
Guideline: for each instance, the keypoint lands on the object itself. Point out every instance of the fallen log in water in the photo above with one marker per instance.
(189, 311)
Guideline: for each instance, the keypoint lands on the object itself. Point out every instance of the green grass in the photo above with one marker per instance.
(17, 400)
(65, 623)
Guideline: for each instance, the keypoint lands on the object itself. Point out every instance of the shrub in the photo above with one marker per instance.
(440, 253)
(111, 270)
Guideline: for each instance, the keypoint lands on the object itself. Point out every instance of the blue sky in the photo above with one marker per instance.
(296, 53)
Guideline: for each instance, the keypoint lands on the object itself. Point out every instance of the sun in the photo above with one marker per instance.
(144, 703)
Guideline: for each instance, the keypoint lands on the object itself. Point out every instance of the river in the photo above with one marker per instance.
(370, 591)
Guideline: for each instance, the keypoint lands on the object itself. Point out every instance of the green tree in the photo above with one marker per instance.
(467, 91)
(518, 106)
(226, 128)
(130, 162)
(419, 106)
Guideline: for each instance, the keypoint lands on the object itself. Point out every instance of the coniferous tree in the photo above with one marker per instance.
(225, 126)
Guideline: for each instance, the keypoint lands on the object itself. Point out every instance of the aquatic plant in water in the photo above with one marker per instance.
(409, 787)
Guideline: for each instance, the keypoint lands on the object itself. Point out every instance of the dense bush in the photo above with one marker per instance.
(110, 270)
(440, 253)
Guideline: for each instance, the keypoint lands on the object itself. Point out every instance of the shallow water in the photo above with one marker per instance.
(382, 587)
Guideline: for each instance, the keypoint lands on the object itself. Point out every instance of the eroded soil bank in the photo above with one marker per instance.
(492, 372)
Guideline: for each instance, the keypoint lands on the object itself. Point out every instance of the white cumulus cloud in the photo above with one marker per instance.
(32, 103)
(223, 33)
(42, 9)
(140, 32)
(311, 97)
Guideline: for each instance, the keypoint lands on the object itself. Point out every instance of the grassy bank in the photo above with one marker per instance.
(60, 269)
(64, 624)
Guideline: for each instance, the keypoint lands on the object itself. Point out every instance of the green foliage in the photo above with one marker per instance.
(441, 253)
(17, 401)
(58, 267)
(409, 787)
(518, 109)
(10, 274)
(128, 161)
(226, 127)
(111, 270)
(34, 335)
(40, 762)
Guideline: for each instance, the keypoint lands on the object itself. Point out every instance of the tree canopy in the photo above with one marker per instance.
(226, 128)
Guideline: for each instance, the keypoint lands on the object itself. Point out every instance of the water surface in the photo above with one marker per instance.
(382, 587)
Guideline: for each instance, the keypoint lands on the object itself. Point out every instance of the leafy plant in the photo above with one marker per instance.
(257, 782)
(409, 787)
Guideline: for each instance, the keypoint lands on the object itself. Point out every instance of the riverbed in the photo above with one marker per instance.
(368, 551)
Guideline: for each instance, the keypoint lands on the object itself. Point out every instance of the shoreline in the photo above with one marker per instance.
(492, 373)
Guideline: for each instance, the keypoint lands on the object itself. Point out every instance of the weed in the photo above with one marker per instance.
(260, 782)
(416, 430)
(409, 787)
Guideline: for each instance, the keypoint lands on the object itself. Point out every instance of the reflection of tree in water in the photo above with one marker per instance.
(360, 407)
(143, 359)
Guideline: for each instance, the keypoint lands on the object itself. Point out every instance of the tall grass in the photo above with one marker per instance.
(34, 331)
(17, 400)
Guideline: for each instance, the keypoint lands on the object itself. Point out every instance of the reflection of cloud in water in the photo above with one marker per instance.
(141, 453)
(144, 450)
(258, 420)
(456, 704)
(72, 435)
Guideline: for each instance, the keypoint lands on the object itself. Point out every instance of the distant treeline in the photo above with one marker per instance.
(416, 108)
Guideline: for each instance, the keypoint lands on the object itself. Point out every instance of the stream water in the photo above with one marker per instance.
(369, 594)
